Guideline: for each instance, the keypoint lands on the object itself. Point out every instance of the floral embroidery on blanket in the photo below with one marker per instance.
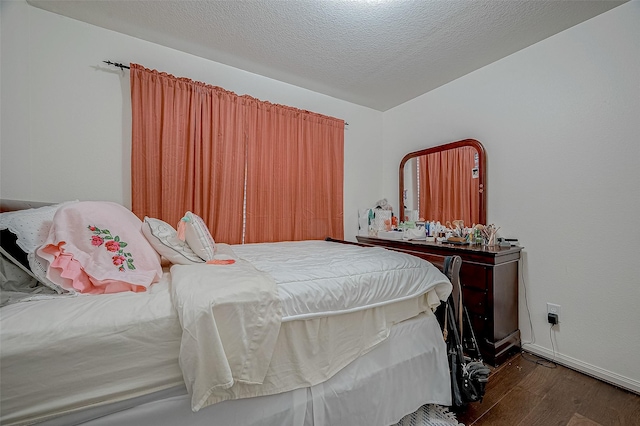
(114, 245)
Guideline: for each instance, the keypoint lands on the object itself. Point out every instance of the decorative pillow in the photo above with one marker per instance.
(98, 247)
(164, 239)
(197, 236)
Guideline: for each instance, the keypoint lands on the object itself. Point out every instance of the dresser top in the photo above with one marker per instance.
(445, 248)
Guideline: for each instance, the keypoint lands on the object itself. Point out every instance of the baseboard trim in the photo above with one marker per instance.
(585, 368)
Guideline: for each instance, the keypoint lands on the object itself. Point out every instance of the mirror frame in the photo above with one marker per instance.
(481, 171)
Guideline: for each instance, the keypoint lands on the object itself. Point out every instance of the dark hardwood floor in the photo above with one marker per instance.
(522, 393)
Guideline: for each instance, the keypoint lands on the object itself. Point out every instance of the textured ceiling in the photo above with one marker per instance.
(373, 53)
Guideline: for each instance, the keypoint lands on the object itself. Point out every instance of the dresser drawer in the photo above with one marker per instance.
(473, 275)
(479, 324)
(474, 300)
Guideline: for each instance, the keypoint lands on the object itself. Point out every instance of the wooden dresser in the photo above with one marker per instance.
(489, 278)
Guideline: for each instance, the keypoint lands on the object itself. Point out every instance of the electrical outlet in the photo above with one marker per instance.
(552, 308)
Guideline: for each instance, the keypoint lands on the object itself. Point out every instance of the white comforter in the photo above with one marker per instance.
(231, 314)
(321, 278)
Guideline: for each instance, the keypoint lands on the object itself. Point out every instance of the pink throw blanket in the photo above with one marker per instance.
(98, 247)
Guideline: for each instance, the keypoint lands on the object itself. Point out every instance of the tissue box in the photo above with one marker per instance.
(390, 235)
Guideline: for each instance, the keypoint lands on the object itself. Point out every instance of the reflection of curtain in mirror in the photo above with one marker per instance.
(448, 190)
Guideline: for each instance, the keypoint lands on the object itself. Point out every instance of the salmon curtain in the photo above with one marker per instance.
(188, 152)
(449, 190)
(201, 148)
(295, 173)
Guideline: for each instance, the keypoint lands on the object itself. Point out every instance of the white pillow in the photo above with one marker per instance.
(165, 241)
(197, 235)
(30, 226)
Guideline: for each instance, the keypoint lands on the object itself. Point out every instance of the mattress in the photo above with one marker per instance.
(67, 355)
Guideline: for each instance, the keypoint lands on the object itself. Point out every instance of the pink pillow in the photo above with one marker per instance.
(98, 247)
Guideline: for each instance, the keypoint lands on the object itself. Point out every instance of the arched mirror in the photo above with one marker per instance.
(444, 183)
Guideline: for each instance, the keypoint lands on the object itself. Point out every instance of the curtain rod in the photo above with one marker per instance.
(123, 66)
(116, 64)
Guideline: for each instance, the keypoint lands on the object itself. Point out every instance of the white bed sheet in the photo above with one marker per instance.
(54, 351)
(402, 373)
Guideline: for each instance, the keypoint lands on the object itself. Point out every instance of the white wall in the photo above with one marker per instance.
(66, 117)
(560, 121)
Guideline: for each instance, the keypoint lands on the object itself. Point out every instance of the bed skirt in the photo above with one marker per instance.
(399, 375)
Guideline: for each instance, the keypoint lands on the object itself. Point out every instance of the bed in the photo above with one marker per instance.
(349, 336)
